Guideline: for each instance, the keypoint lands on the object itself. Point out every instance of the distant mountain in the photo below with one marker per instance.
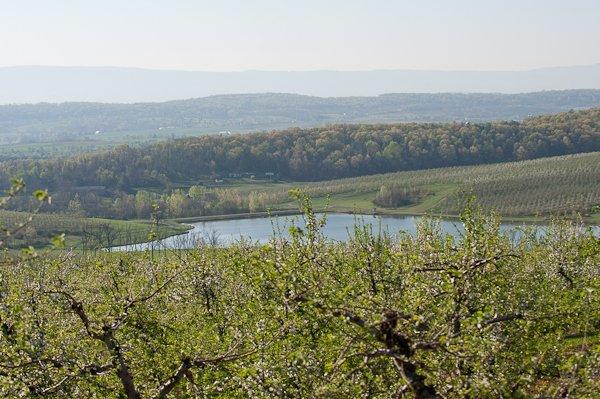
(31, 84)
(244, 112)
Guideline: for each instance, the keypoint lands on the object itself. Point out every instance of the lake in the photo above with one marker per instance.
(338, 227)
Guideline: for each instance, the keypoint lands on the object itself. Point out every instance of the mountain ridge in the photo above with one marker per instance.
(45, 122)
(32, 84)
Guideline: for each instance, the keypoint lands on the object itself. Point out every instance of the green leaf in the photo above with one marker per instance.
(41, 195)
(29, 251)
(58, 241)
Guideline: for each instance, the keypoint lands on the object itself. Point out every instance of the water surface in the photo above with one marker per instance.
(339, 227)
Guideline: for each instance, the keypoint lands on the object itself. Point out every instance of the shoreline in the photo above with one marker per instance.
(588, 220)
(392, 213)
(234, 216)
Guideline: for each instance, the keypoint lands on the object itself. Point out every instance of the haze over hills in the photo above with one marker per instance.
(32, 84)
(245, 112)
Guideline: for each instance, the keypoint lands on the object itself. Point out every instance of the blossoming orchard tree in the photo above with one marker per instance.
(429, 316)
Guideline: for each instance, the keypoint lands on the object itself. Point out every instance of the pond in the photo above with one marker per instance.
(339, 227)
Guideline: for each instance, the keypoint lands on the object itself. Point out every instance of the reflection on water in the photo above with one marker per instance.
(339, 227)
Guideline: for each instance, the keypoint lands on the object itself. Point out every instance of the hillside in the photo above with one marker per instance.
(319, 153)
(542, 187)
(242, 173)
(98, 123)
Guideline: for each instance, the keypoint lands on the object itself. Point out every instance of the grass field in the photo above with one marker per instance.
(81, 233)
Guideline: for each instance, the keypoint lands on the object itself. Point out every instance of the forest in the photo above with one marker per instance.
(424, 317)
(317, 153)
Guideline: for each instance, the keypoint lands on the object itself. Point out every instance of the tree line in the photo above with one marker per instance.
(319, 153)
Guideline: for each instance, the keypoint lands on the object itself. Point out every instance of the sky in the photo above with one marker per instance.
(235, 35)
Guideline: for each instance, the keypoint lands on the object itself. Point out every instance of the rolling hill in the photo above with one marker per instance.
(99, 123)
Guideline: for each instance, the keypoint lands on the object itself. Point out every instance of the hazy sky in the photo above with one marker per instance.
(229, 35)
